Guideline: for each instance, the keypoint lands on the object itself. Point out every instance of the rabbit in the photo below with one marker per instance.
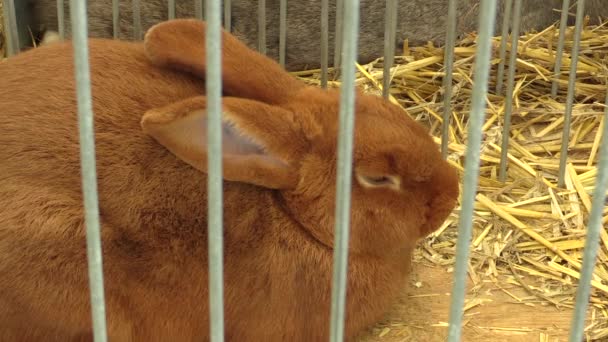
(418, 21)
(279, 170)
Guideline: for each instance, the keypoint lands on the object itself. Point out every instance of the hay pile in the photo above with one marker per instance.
(526, 226)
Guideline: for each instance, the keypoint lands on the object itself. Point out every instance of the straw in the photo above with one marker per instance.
(526, 228)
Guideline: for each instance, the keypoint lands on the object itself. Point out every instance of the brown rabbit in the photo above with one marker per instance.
(279, 157)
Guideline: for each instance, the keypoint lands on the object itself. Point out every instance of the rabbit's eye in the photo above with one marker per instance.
(379, 181)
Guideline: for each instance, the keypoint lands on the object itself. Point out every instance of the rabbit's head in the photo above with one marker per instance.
(282, 135)
(401, 188)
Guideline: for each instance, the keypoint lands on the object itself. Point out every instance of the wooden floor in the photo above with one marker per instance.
(423, 314)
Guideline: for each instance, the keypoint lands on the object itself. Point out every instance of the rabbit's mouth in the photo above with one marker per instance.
(438, 210)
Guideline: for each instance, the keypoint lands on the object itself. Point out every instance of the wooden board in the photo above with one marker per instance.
(424, 312)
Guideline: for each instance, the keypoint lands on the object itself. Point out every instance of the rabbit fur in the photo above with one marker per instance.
(279, 156)
(418, 21)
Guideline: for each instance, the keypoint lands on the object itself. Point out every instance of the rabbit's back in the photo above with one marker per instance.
(39, 117)
(39, 140)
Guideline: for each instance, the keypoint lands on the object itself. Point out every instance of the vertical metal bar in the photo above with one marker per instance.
(593, 237)
(198, 9)
(171, 9)
(262, 26)
(338, 36)
(390, 27)
(115, 18)
(228, 15)
(282, 31)
(61, 19)
(344, 170)
(503, 45)
(487, 12)
(88, 167)
(509, 96)
(324, 42)
(10, 19)
(213, 86)
(563, 158)
(448, 63)
(136, 20)
(560, 47)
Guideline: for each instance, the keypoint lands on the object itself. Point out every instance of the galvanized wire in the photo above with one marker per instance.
(12, 38)
(560, 47)
(136, 19)
(228, 15)
(483, 54)
(282, 31)
(502, 176)
(592, 241)
(61, 19)
(324, 42)
(390, 28)
(262, 26)
(338, 37)
(563, 158)
(344, 170)
(115, 18)
(171, 8)
(198, 9)
(215, 202)
(503, 45)
(88, 167)
(448, 63)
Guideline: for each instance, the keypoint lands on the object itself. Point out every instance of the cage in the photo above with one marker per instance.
(520, 114)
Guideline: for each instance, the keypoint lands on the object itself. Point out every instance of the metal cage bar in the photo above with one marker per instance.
(502, 176)
(228, 15)
(10, 19)
(198, 9)
(390, 29)
(560, 47)
(115, 18)
(88, 167)
(563, 158)
(448, 63)
(593, 236)
(338, 37)
(483, 54)
(344, 170)
(506, 19)
(171, 9)
(262, 26)
(215, 202)
(282, 31)
(61, 19)
(136, 20)
(324, 42)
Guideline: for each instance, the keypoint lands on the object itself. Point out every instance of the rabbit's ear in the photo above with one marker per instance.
(259, 141)
(180, 45)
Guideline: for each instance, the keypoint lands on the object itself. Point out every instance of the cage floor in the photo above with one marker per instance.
(491, 314)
